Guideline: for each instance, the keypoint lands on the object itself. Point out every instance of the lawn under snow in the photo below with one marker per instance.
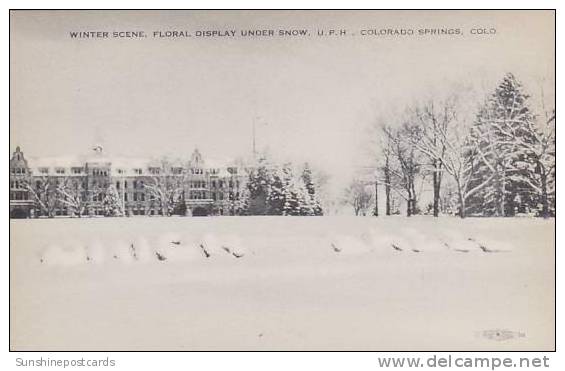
(281, 283)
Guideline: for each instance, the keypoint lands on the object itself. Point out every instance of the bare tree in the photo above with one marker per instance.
(359, 197)
(44, 193)
(461, 160)
(165, 187)
(386, 146)
(405, 155)
(434, 121)
(72, 195)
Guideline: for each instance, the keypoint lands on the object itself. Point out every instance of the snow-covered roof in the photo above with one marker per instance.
(125, 165)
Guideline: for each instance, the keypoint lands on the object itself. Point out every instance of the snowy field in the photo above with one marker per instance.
(282, 283)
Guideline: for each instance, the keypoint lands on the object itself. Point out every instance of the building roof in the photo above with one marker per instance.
(125, 164)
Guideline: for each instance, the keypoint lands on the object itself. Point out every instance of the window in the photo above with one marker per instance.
(213, 184)
(125, 196)
(221, 184)
(135, 184)
(99, 172)
(76, 170)
(142, 196)
(221, 196)
(214, 196)
(125, 183)
(120, 171)
(231, 184)
(135, 196)
(117, 185)
(138, 171)
(43, 170)
(155, 170)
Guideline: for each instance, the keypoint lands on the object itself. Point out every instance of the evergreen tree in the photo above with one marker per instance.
(500, 126)
(257, 190)
(311, 191)
(291, 204)
(241, 203)
(275, 192)
(112, 202)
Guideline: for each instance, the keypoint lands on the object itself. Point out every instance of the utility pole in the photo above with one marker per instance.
(376, 197)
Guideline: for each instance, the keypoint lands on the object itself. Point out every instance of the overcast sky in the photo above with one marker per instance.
(311, 96)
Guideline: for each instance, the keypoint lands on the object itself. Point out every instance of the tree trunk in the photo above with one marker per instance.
(437, 183)
(409, 201)
(502, 210)
(413, 197)
(376, 198)
(461, 202)
(544, 201)
(387, 189)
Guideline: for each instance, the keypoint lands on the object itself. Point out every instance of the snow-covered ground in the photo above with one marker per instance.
(282, 283)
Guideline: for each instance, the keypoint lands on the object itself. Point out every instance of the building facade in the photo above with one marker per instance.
(98, 185)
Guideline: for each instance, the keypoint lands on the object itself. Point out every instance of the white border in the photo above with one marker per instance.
(257, 361)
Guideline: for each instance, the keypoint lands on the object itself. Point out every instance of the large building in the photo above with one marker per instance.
(97, 185)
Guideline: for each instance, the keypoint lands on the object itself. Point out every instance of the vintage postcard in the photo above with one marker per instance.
(282, 180)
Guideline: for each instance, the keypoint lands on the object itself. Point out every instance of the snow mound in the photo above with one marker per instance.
(179, 248)
(141, 250)
(409, 240)
(69, 255)
(121, 251)
(347, 244)
(233, 244)
(95, 252)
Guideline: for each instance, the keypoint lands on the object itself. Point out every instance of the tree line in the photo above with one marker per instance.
(280, 189)
(501, 162)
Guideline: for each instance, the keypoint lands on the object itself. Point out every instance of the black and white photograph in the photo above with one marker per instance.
(282, 180)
